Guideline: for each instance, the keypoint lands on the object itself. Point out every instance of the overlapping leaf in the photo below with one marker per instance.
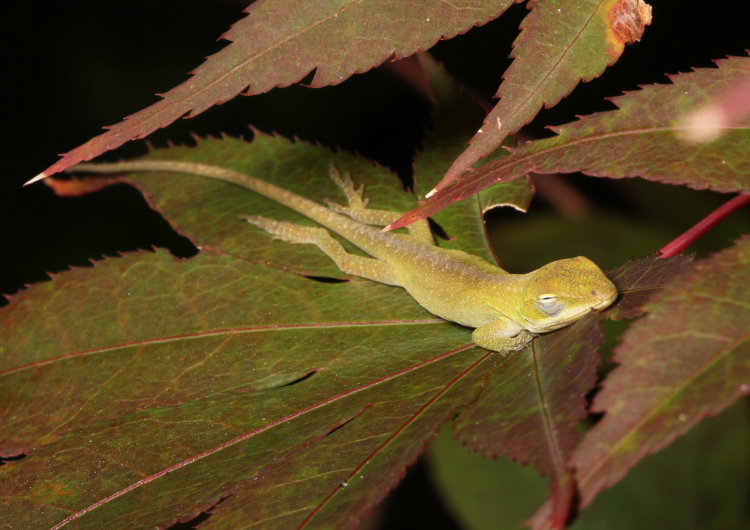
(640, 138)
(198, 376)
(687, 359)
(561, 43)
(147, 389)
(279, 42)
(540, 427)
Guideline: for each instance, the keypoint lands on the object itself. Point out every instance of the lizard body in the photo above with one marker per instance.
(505, 309)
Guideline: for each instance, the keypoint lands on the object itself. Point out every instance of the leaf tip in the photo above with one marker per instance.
(40, 176)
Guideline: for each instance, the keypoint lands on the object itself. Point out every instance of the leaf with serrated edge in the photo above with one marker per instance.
(687, 359)
(561, 44)
(279, 42)
(254, 390)
(453, 117)
(640, 138)
(221, 377)
(536, 426)
(540, 426)
(193, 376)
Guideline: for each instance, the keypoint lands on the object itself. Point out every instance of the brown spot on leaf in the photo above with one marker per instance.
(628, 19)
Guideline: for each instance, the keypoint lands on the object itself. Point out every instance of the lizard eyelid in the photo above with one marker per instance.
(549, 304)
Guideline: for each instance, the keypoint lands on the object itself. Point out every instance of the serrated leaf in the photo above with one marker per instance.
(541, 426)
(453, 116)
(197, 377)
(640, 138)
(561, 44)
(486, 495)
(536, 426)
(223, 381)
(687, 359)
(280, 42)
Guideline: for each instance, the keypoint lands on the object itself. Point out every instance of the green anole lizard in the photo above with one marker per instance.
(506, 310)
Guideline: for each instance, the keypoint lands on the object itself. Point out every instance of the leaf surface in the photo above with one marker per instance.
(533, 416)
(227, 381)
(640, 138)
(537, 426)
(279, 42)
(170, 383)
(687, 359)
(561, 44)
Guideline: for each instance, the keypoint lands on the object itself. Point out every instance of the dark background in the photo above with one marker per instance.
(73, 67)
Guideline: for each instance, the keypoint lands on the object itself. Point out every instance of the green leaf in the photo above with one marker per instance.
(561, 44)
(687, 359)
(147, 389)
(280, 42)
(183, 381)
(640, 138)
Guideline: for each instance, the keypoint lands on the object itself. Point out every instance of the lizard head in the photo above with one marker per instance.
(563, 291)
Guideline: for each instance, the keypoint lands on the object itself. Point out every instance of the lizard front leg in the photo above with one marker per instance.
(502, 335)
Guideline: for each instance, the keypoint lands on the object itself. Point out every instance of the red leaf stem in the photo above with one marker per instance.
(704, 225)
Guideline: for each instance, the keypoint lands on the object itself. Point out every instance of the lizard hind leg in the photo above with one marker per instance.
(369, 268)
(357, 209)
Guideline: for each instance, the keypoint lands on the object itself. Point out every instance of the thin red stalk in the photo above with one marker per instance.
(704, 225)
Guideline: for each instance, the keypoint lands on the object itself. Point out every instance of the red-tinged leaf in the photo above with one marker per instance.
(279, 42)
(535, 398)
(640, 138)
(180, 384)
(638, 280)
(531, 407)
(687, 359)
(561, 44)
(147, 388)
(453, 118)
(202, 209)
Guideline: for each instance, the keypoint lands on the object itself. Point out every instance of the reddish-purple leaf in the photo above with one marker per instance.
(279, 42)
(638, 280)
(532, 404)
(534, 399)
(687, 359)
(640, 138)
(561, 44)
(146, 389)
